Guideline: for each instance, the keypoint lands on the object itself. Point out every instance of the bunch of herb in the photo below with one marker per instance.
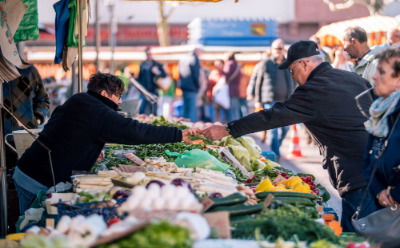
(161, 121)
(285, 222)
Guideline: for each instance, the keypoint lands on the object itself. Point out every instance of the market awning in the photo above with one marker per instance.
(375, 26)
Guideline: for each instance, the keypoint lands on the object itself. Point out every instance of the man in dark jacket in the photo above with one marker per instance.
(189, 79)
(325, 103)
(150, 71)
(76, 134)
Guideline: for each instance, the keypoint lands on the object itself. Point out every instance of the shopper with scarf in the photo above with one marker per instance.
(385, 120)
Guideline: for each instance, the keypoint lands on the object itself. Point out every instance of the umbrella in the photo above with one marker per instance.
(375, 26)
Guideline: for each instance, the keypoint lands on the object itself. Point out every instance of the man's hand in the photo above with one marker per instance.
(189, 132)
(215, 132)
(385, 199)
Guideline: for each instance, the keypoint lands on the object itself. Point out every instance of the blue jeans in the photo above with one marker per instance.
(277, 134)
(27, 189)
(147, 107)
(350, 202)
(189, 105)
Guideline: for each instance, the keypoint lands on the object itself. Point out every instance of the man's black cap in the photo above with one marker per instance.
(299, 50)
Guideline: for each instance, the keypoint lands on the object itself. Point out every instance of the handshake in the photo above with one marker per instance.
(213, 132)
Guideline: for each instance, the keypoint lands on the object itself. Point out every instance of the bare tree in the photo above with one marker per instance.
(374, 6)
(162, 25)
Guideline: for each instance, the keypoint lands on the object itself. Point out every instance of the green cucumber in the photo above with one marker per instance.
(232, 199)
(299, 201)
(240, 209)
(262, 195)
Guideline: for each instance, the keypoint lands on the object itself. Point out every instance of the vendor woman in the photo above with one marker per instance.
(76, 134)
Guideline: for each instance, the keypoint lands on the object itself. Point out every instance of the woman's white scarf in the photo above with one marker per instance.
(380, 109)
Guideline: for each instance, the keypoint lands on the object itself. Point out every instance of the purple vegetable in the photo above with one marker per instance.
(215, 195)
(120, 194)
(156, 182)
(181, 182)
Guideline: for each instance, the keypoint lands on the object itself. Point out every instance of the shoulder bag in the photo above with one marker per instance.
(381, 226)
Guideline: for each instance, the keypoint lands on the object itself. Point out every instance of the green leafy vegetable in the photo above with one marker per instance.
(285, 221)
(162, 234)
(161, 121)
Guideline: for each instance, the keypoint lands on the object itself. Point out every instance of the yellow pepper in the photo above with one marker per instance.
(265, 185)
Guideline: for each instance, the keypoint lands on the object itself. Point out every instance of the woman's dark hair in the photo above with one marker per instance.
(105, 81)
(391, 55)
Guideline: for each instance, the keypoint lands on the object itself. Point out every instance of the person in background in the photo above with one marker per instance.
(167, 101)
(77, 132)
(355, 43)
(125, 76)
(28, 100)
(392, 40)
(322, 52)
(200, 101)
(341, 60)
(272, 85)
(237, 92)
(393, 37)
(385, 119)
(325, 102)
(150, 71)
(218, 112)
(189, 80)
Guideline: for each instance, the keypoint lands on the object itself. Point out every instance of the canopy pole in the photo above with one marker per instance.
(3, 174)
(80, 44)
(97, 29)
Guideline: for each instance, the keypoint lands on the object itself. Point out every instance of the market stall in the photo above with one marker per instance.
(203, 194)
(376, 27)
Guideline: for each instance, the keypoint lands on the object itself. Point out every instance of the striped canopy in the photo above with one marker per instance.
(376, 27)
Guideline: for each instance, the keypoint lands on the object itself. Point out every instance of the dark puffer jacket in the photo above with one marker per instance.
(76, 134)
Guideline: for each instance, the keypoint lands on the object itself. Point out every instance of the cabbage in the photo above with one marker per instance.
(257, 164)
(251, 146)
(241, 154)
(228, 141)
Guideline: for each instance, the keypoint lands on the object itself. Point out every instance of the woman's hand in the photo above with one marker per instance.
(189, 132)
(385, 199)
(101, 157)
